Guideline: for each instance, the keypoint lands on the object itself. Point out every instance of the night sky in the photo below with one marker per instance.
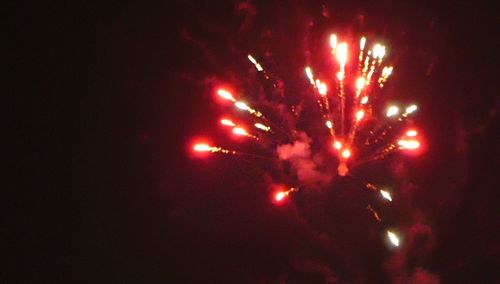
(107, 97)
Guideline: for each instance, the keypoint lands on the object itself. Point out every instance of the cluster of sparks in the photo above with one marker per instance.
(341, 124)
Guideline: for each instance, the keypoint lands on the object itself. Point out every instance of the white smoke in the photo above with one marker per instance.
(298, 153)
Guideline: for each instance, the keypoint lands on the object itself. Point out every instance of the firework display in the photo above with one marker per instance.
(354, 123)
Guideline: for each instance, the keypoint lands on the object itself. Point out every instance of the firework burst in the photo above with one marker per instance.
(355, 126)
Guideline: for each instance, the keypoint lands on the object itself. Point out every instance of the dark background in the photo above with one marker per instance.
(107, 96)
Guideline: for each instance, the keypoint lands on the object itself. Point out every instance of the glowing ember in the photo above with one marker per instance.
(378, 51)
(262, 126)
(280, 195)
(337, 145)
(227, 122)
(333, 41)
(225, 95)
(240, 131)
(392, 111)
(321, 87)
(362, 43)
(329, 124)
(386, 195)
(360, 83)
(411, 109)
(341, 53)
(408, 144)
(309, 75)
(387, 71)
(202, 148)
(411, 133)
(346, 153)
(393, 238)
(241, 105)
(340, 75)
(359, 115)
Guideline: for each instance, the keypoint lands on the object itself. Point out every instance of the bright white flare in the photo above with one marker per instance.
(393, 238)
(333, 41)
(387, 71)
(362, 43)
(408, 144)
(392, 111)
(225, 95)
(280, 195)
(250, 57)
(202, 148)
(321, 87)
(309, 75)
(360, 83)
(227, 122)
(342, 55)
(329, 124)
(411, 133)
(262, 126)
(242, 105)
(340, 75)
(240, 131)
(386, 195)
(364, 100)
(411, 109)
(359, 115)
(257, 64)
(378, 51)
(337, 145)
(346, 153)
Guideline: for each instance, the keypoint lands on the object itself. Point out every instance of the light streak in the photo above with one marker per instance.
(226, 95)
(257, 64)
(408, 144)
(392, 111)
(393, 238)
(283, 194)
(410, 109)
(262, 127)
(411, 133)
(321, 87)
(333, 42)
(227, 122)
(341, 53)
(359, 115)
(201, 147)
(329, 124)
(310, 76)
(362, 43)
(386, 195)
(240, 131)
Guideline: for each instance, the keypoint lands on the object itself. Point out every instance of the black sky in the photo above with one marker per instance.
(105, 100)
